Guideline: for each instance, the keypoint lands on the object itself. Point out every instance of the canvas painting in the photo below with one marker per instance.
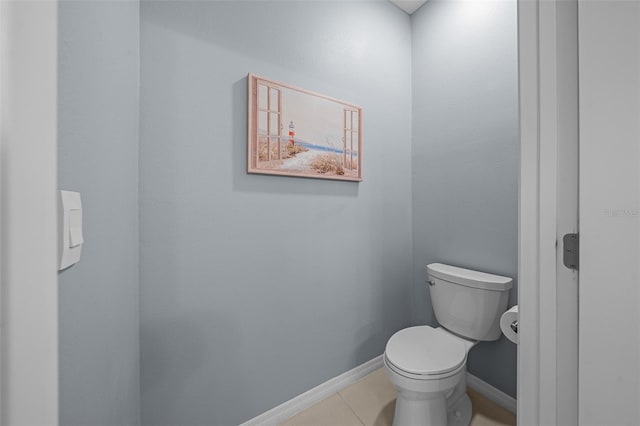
(296, 132)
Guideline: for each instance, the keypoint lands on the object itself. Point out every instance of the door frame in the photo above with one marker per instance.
(28, 213)
(546, 394)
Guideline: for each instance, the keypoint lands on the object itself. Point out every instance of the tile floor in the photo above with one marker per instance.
(371, 402)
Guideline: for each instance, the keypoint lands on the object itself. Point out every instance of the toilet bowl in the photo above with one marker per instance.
(428, 365)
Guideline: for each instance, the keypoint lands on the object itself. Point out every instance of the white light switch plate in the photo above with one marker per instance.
(69, 228)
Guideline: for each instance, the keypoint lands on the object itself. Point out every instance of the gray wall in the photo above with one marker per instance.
(256, 288)
(465, 155)
(98, 155)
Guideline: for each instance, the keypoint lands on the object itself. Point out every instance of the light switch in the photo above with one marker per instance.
(69, 228)
(75, 228)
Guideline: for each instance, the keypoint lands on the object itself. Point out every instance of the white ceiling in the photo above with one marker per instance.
(408, 6)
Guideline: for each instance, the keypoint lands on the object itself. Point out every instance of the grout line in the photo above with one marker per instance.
(351, 408)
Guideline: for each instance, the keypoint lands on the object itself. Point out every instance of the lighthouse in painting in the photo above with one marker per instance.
(292, 133)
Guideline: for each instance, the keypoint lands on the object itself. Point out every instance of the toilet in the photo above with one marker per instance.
(428, 365)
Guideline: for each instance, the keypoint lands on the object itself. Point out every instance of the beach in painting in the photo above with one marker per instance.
(306, 158)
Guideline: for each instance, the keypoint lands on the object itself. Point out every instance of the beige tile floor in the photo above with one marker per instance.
(371, 402)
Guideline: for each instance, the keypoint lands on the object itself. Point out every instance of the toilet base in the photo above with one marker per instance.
(460, 412)
(412, 410)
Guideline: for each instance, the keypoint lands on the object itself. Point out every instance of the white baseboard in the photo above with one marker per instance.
(496, 395)
(317, 394)
(301, 402)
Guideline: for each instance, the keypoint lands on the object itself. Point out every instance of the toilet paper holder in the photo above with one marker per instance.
(514, 326)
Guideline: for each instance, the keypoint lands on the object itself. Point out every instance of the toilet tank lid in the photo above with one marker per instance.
(469, 278)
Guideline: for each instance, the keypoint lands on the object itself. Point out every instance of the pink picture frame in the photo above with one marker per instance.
(297, 132)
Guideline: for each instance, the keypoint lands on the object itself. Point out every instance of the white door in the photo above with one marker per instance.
(609, 325)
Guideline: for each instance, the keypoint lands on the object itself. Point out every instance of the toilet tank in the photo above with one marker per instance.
(468, 303)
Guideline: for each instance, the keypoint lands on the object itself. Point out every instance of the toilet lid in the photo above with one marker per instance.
(423, 350)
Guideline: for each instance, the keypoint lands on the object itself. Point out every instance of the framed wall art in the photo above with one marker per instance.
(296, 132)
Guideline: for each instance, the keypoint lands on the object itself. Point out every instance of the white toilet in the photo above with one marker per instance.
(428, 365)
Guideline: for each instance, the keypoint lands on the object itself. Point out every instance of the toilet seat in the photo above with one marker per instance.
(425, 353)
